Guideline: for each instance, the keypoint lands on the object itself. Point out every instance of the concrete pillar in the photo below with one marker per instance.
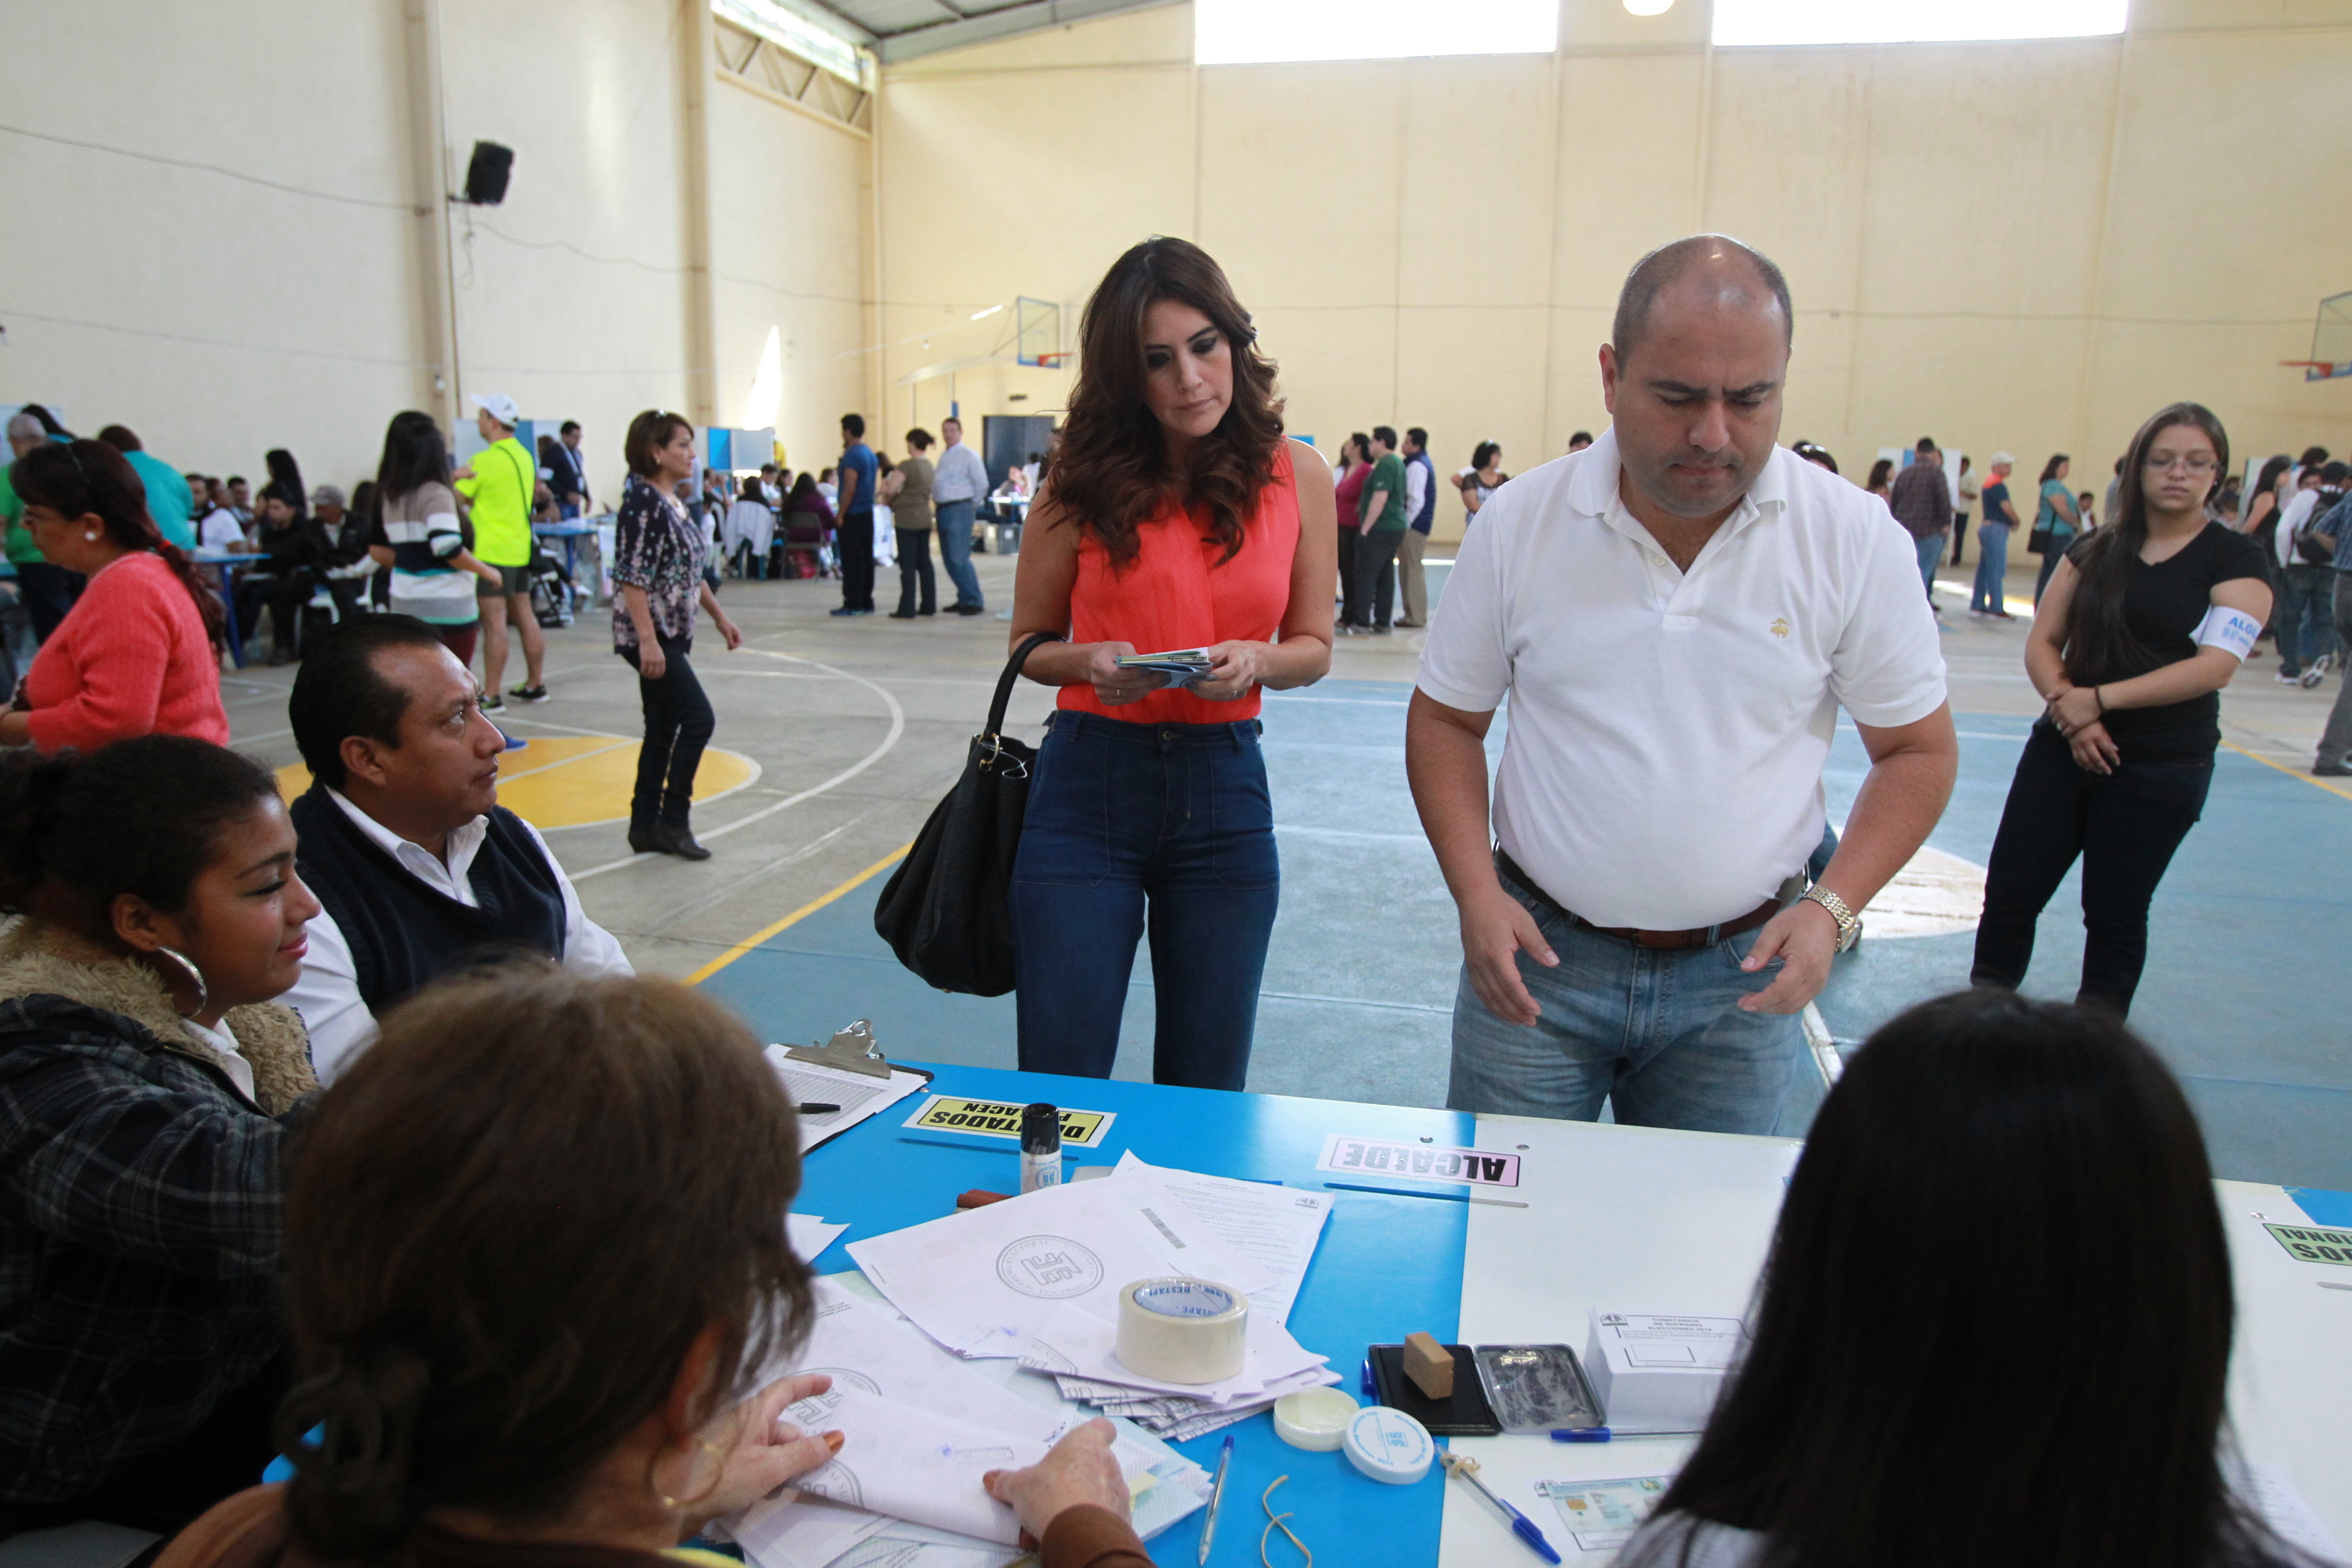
(438, 374)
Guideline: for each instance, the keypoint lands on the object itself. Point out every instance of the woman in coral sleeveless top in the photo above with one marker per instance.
(1178, 516)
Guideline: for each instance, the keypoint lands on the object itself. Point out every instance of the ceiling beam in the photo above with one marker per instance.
(1035, 17)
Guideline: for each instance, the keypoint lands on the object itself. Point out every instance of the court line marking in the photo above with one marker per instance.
(898, 729)
(765, 932)
(2295, 773)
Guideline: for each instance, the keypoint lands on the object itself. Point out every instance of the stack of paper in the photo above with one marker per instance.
(921, 1428)
(1275, 1229)
(986, 1282)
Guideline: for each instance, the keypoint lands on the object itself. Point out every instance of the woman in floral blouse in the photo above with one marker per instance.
(657, 578)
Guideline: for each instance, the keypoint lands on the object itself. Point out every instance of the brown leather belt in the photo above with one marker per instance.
(1657, 941)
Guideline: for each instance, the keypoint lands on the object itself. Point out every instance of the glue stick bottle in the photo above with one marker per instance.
(1041, 1147)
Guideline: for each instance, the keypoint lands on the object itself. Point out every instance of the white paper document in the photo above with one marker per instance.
(858, 1095)
(903, 1392)
(983, 1282)
(809, 1235)
(914, 1465)
(865, 1345)
(1274, 1227)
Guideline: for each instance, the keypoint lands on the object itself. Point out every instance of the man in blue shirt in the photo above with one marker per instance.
(1420, 510)
(856, 476)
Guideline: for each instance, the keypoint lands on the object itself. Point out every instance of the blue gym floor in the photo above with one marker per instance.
(2250, 945)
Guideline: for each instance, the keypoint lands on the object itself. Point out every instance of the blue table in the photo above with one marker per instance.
(1386, 1266)
(1613, 1217)
(230, 565)
(571, 531)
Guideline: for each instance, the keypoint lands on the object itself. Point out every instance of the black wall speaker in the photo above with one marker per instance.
(485, 176)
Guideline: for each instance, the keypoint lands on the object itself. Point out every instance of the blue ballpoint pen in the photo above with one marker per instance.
(1522, 1527)
(1580, 1434)
(1217, 1496)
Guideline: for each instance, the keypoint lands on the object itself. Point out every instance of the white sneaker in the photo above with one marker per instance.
(2311, 677)
(2324, 663)
(2284, 679)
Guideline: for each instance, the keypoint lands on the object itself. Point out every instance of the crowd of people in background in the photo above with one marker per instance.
(280, 1158)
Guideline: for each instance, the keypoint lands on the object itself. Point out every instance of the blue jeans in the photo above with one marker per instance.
(1659, 1034)
(1931, 555)
(954, 523)
(2307, 616)
(1128, 824)
(1991, 591)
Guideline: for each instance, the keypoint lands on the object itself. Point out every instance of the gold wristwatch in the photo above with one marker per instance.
(1849, 924)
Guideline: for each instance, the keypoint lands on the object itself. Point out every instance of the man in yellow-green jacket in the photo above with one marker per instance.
(501, 483)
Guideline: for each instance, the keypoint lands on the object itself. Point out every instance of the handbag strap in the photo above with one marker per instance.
(1011, 673)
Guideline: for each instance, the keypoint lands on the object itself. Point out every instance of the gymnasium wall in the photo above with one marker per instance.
(216, 232)
(2027, 246)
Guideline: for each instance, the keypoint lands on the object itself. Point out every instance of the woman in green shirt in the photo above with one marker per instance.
(2055, 519)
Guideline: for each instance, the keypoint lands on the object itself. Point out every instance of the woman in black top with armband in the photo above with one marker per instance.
(2144, 623)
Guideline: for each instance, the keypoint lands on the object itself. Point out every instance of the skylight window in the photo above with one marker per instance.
(1912, 21)
(1248, 32)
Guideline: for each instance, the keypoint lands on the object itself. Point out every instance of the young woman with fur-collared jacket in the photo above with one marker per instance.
(146, 1078)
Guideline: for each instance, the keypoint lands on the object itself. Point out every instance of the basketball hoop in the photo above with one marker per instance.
(1053, 361)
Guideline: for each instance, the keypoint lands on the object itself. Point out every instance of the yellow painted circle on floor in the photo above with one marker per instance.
(569, 781)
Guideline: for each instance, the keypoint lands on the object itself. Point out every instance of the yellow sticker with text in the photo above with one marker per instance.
(1002, 1119)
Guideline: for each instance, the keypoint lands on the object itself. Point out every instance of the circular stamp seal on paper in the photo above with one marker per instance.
(1050, 1267)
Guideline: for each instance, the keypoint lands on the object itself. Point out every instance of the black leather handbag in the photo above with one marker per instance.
(946, 909)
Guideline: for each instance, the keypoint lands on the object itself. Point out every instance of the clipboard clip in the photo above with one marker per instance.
(852, 1049)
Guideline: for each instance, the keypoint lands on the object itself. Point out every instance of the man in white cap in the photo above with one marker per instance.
(500, 483)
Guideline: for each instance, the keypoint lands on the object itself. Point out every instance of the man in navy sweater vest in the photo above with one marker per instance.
(421, 872)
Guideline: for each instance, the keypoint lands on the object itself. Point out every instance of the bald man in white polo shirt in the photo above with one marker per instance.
(1678, 613)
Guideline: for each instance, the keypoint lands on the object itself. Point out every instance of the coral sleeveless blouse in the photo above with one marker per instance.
(1175, 595)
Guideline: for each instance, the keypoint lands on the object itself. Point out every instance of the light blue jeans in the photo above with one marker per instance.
(1931, 555)
(955, 551)
(1991, 594)
(1659, 1034)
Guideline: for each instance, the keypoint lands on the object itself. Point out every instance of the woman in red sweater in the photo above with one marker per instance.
(140, 652)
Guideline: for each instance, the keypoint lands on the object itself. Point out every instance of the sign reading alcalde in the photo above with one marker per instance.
(1417, 1162)
(1002, 1119)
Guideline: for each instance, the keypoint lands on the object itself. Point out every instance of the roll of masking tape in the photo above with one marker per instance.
(1183, 1331)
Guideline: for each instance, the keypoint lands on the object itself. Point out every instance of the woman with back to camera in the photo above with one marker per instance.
(1881, 482)
(1999, 1272)
(2145, 621)
(139, 652)
(1346, 495)
(537, 1271)
(2056, 519)
(1178, 517)
(145, 1083)
(656, 587)
(435, 576)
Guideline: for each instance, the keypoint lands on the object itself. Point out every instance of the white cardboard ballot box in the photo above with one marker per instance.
(1659, 1371)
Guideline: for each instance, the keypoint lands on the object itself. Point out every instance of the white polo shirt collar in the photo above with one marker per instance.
(446, 876)
(1595, 488)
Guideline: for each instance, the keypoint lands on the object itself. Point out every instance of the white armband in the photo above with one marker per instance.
(2233, 631)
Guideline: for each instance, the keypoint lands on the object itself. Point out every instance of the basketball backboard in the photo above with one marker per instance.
(2331, 341)
(1038, 326)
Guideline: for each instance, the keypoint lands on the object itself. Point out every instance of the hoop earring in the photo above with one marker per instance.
(204, 992)
(676, 1503)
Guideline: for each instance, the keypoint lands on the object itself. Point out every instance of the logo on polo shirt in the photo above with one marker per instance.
(1780, 625)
